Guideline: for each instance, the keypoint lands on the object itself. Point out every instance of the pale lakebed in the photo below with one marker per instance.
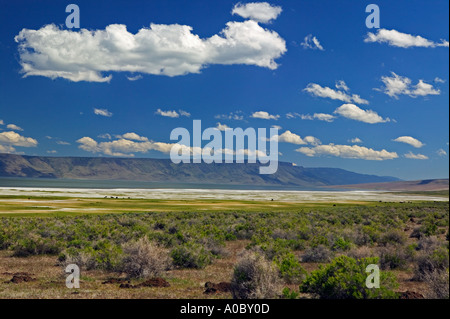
(221, 194)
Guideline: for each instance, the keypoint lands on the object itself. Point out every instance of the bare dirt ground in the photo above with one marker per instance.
(42, 278)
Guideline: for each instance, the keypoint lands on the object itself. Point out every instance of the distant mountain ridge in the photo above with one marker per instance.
(163, 170)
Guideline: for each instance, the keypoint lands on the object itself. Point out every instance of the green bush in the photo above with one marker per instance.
(342, 244)
(290, 269)
(345, 278)
(191, 256)
(289, 294)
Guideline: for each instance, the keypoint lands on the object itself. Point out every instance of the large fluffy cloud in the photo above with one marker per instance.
(396, 85)
(125, 145)
(409, 140)
(402, 40)
(10, 139)
(170, 50)
(15, 139)
(326, 92)
(353, 112)
(258, 11)
(347, 151)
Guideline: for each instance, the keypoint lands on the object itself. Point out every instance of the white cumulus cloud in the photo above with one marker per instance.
(347, 151)
(102, 112)
(160, 49)
(355, 140)
(292, 138)
(257, 11)
(231, 116)
(14, 127)
(441, 152)
(402, 40)
(264, 115)
(311, 42)
(409, 140)
(10, 139)
(326, 92)
(411, 155)
(172, 114)
(123, 146)
(222, 127)
(396, 85)
(353, 112)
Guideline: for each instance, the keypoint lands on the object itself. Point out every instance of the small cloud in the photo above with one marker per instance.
(257, 11)
(2, 123)
(355, 140)
(14, 127)
(311, 42)
(237, 116)
(264, 115)
(62, 143)
(49, 137)
(292, 138)
(341, 85)
(184, 113)
(315, 116)
(102, 112)
(222, 127)
(409, 140)
(411, 155)
(132, 137)
(396, 85)
(403, 40)
(353, 112)
(441, 152)
(105, 136)
(347, 151)
(439, 80)
(292, 115)
(52, 152)
(277, 127)
(326, 92)
(172, 114)
(134, 78)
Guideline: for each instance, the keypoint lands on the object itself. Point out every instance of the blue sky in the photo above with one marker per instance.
(309, 67)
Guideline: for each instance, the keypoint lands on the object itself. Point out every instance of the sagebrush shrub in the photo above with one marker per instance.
(143, 259)
(438, 283)
(318, 254)
(431, 261)
(255, 277)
